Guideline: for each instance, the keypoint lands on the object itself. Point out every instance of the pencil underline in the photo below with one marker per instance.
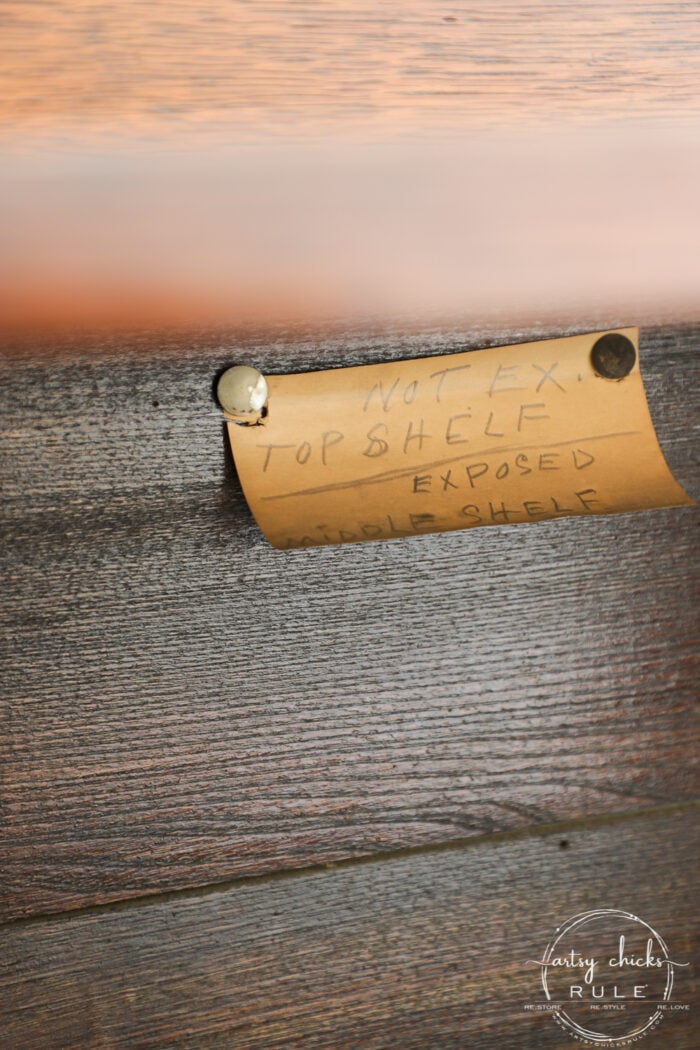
(394, 475)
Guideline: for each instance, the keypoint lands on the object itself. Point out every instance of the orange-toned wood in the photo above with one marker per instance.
(168, 67)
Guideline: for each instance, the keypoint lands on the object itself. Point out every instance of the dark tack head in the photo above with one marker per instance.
(613, 356)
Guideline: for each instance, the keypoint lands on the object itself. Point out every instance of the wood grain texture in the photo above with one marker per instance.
(170, 68)
(423, 952)
(184, 704)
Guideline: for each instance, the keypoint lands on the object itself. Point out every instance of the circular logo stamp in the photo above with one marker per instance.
(608, 977)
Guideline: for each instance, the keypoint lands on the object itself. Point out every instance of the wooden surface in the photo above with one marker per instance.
(420, 952)
(487, 731)
(335, 798)
(186, 705)
(168, 68)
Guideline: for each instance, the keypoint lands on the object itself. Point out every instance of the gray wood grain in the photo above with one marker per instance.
(182, 704)
(424, 952)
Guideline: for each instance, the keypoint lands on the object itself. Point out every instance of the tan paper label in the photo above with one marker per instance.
(508, 435)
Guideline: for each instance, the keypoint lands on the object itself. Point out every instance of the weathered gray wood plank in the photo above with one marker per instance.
(420, 952)
(183, 704)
